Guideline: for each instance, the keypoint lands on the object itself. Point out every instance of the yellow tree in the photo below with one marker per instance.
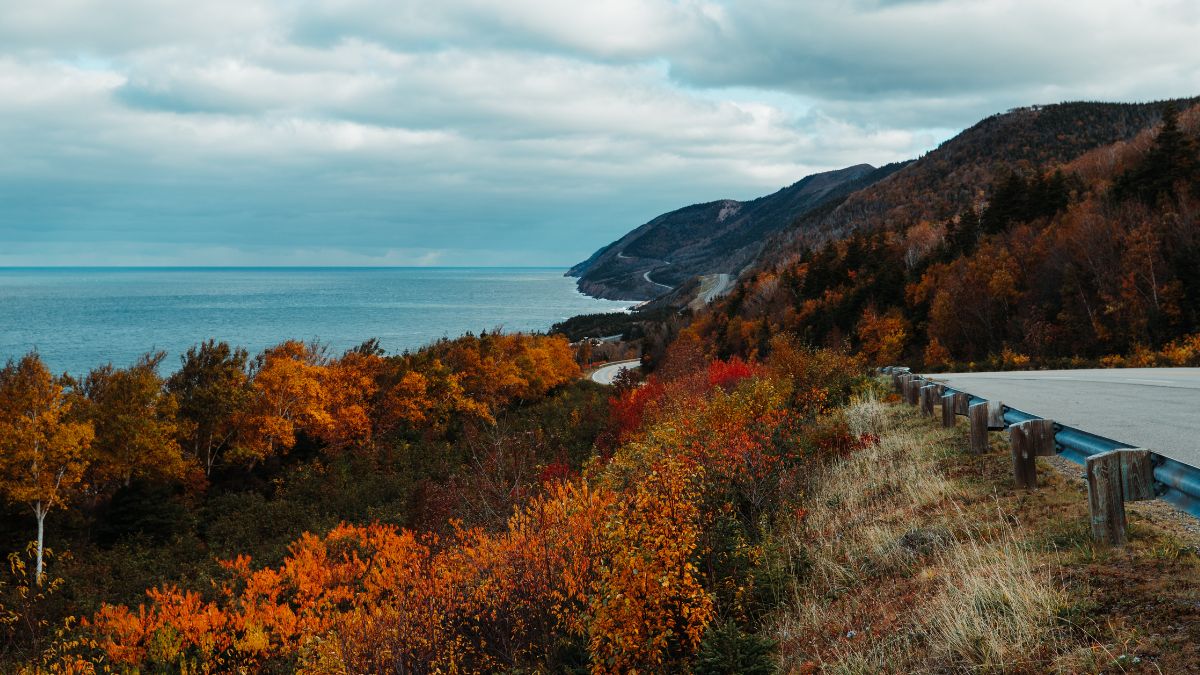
(882, 337)
(43, 453)
(134, 418)
(351, 389)
(288, 395)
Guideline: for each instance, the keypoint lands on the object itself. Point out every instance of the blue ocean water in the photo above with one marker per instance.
(80, 318)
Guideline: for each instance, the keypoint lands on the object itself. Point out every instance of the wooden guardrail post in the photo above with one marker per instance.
(1105, 504)
(984, 416)
(995, 415)
(948, 409)
(928, 392)
(911, 390)
(1030, 439)
(1137, 475)
(977, 414)
(962, 401)
(1114, 478)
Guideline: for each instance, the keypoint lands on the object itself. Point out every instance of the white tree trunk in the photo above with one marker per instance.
(41, 520)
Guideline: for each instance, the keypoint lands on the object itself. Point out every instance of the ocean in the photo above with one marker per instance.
(80, 318)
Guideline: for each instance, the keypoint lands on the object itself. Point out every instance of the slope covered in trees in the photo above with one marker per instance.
(728, 236)
(629, 566)
(125, 479)
(1063, 262)
(960, 174)
(635, 541)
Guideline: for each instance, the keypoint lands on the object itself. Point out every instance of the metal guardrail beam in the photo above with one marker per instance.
(1176, 483)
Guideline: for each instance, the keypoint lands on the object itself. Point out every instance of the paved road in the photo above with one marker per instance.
(712, 286)
(1156, 408)
(719, 287)
(646, 276)
(605, 374)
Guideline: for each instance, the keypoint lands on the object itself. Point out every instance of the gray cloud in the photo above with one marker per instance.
(531, 131)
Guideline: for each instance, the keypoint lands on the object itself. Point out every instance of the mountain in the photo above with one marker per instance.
(1051, 236)
(697, 251)
(711, 239)
(959, 174)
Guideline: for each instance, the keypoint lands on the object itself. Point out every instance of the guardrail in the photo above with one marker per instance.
(1116, 472)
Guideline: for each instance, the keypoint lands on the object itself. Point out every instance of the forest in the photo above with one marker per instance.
(473, 506)
(1093, 260)
(123, 479)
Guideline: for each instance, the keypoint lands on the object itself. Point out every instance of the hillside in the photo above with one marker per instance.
(719, 237)
(1016, 243)
(959, 174)
(660, 257)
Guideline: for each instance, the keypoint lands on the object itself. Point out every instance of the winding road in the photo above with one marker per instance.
(646, 275)
(1156, 408)
(605, 374)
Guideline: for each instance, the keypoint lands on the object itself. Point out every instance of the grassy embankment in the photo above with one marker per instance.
(925, 558)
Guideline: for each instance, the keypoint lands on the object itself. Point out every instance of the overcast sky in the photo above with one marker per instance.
(525, 132)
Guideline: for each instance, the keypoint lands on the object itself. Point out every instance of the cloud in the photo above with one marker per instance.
(531, 131)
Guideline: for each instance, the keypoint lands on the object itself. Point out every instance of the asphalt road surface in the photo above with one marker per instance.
(718, 288)
(605, 374)
(1156, 408)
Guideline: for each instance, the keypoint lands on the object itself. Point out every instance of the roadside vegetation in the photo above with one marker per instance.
(921, 557)
(778, 514)
(636, 541)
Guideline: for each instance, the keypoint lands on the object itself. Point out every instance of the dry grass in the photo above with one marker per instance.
(904, 578)
(995, 608)
(866, 414)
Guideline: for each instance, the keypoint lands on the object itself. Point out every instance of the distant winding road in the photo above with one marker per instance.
(605, 374)
(1156, 408)
(646, 274)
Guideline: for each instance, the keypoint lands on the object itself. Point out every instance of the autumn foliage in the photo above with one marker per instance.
(613, 571)
(1059, 263)
(99, 443)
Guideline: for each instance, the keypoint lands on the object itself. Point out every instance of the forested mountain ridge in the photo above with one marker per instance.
(727, 236)
(1054, 257)
(959, 173)
(711, 238)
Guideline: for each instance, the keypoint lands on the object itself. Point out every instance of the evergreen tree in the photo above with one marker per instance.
(1171, 161)
(728, 649)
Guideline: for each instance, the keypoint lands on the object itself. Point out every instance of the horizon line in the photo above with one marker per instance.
(256, 267)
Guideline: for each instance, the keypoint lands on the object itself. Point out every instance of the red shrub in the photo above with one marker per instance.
(726, 374)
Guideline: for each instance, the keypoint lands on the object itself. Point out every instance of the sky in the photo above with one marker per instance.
(522, 132)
